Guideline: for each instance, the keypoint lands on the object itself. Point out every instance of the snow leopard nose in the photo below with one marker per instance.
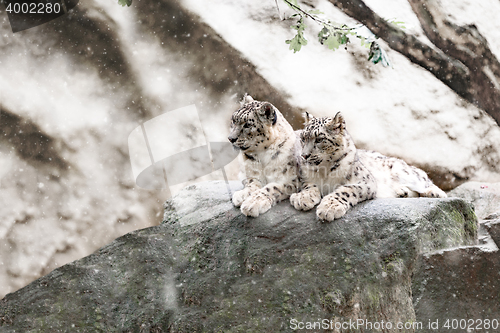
(305, 156)
(232, 139)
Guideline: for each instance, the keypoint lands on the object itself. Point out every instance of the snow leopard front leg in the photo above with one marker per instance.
(363, 187)
(262, 200)
(251, 185)
(335, 205)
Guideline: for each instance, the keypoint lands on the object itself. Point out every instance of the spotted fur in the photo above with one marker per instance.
(270, 150)
(338, 176)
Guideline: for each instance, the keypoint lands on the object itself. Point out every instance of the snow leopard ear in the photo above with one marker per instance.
(337, 124)
(246, 99)
(267, 113)
(307, 117)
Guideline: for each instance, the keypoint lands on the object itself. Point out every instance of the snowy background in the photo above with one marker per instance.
(72, 90)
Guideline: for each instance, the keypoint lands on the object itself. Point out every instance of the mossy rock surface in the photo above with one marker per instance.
(208, 268)
(458, 289)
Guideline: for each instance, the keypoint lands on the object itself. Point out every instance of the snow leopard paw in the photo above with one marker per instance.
(304, 200)
(330, 209)
(434, 192)
(402, 192)
(256, 204)
(240, 196)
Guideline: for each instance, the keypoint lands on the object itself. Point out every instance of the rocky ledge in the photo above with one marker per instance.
(208, 268)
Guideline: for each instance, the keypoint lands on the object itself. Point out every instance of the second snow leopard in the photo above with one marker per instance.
(338, 176)
(270, 150)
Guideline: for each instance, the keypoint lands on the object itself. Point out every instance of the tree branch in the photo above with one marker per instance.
(456, 65)
(467, 45)
(318, 20)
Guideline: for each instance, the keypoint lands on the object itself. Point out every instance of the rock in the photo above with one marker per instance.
(209, 268)
(79, 84)
(463, 284)
(483, 195)
(492, 225)
(460, 284)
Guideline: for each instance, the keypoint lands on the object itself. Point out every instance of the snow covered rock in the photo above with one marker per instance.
(209, 268)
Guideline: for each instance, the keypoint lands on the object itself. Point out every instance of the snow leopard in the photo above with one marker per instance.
(270, 149)
(338, 176)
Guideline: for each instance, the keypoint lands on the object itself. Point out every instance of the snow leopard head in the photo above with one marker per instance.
(323, 139)
(252, 123)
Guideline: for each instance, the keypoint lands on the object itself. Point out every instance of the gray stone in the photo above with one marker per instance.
(484, 196)
(464, 283)
(209, 268)
(458, 284)
(493, 228)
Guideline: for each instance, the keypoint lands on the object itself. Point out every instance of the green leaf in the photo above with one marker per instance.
(343, 39)
(332, 42)
(125, 2)
(297, 42)
(323, 34)
(377, 55)
(364, 42)
(332, 38)
(385, 59)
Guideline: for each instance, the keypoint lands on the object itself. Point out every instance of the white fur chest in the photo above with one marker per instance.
(272, 162)
(327, 180)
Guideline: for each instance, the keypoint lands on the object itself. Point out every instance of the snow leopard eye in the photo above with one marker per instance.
(247, 125)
